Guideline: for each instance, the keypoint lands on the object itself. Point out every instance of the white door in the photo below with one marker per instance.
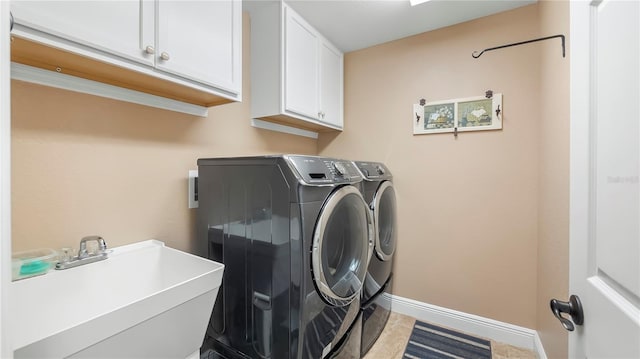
(605, 161)
(5, 181)
(200, 40)
(123, 28)
(330, 85)
(301, 66)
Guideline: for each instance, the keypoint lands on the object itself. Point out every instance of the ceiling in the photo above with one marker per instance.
(356, 24)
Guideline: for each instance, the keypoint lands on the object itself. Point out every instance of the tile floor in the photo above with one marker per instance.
(392, 341)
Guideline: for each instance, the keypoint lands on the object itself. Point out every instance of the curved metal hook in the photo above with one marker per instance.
(520, 43)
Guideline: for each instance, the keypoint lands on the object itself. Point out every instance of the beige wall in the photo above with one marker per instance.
(88, 165)
(553, 210)
(467, 207)
(483, 219)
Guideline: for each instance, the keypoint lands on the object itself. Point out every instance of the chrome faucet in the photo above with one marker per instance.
(84, 257)
(82, 252)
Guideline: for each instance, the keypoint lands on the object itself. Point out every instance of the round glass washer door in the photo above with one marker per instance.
(342, 243)
(384, 212)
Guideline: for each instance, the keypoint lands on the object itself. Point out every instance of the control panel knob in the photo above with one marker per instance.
(380, 170)
(339, 168)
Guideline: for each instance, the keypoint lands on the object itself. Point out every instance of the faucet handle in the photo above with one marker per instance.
(102, 245)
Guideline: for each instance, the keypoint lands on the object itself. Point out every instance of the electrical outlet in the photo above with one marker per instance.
(193, 188)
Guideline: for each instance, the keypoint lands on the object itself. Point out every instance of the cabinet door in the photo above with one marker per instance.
(123, 28)
(331, 65)
(300, 67)
(201, 41)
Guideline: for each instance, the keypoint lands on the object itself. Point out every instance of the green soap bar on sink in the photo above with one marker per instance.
(34, 267)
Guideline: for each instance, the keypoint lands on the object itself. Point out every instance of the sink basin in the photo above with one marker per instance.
(145, 301)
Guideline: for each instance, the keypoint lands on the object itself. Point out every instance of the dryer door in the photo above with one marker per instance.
(384, 212)
(342, 241)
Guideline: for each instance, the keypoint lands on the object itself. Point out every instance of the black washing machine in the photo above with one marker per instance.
(378, 191)
(295, 235)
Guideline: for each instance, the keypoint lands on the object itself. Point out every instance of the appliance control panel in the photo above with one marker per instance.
(322, 170)
(373, 170)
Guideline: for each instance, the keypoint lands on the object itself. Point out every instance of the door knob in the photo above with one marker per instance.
(573, 308)
(165, 56)
(150, 50)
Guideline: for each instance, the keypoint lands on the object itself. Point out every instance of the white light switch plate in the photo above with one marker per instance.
(193, 175)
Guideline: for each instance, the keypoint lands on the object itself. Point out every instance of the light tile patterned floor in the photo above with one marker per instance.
(396, 333)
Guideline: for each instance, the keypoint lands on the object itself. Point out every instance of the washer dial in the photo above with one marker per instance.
(340, 169)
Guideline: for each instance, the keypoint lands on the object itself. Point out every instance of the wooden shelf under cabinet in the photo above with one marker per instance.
(49, 58)
(305, 125)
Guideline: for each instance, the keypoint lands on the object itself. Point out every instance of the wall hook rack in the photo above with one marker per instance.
(475, 54)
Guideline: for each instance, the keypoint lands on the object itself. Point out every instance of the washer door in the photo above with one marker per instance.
(384, 212)
(342, 242)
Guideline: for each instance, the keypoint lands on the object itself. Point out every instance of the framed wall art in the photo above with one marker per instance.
(458, 115)
(434, 117)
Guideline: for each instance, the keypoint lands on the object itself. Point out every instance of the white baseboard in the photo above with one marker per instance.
(470, 323)
(539, 348)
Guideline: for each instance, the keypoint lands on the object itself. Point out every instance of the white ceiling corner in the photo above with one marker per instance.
(356, 24)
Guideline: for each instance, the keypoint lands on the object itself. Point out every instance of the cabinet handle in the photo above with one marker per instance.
(165, 56)
(150, 50)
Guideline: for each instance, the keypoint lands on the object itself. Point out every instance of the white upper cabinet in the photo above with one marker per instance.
(197, 40)
(187, 50)
(118, 27)
(331, 97)
(296, 74)
(301, 67)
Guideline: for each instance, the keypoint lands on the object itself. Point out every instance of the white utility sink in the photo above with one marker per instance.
(145, 301)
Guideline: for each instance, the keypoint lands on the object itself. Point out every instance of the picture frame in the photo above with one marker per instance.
(479, 113)
(434, 117)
